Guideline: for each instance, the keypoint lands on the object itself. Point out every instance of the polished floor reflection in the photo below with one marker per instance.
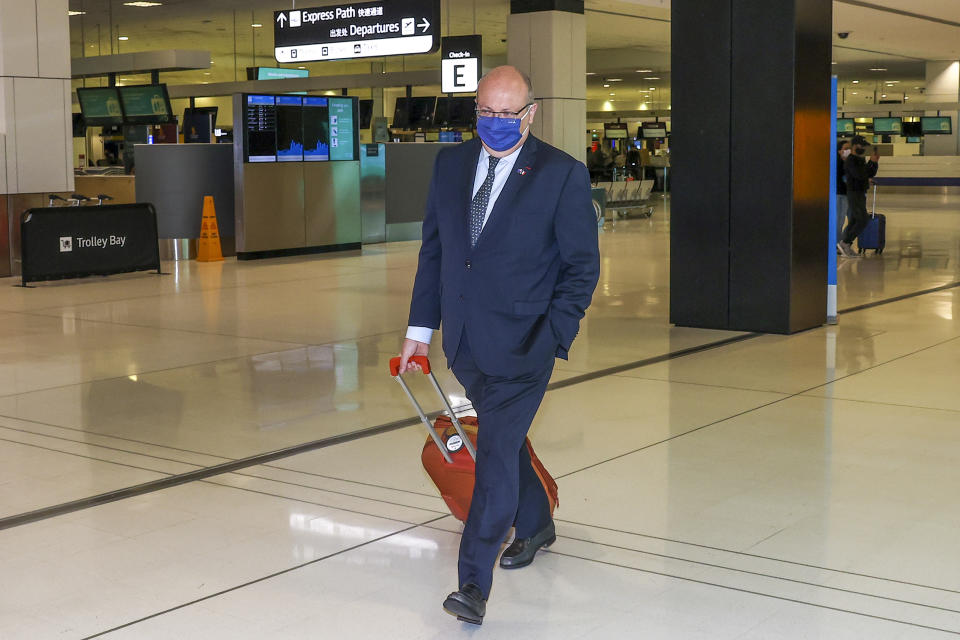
(771, 487)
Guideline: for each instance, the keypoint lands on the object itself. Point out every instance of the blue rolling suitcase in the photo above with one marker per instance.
(874, 236)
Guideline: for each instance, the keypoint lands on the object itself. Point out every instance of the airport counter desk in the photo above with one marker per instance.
(905, 173)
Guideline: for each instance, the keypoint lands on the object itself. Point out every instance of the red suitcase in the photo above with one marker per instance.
(450, 450)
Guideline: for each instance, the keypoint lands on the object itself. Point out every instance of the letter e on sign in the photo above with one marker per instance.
(459, 75)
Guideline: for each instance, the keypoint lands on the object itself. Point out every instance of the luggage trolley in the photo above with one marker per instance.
(626, 196)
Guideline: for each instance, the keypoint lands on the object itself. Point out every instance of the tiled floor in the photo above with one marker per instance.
(798, 486)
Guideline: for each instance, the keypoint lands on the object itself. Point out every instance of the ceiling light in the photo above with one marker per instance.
(856, 82)
(834, 62)
(301, 67)
(614, 79)
(653, 88)
(76, 13)
(142, 4)
(606, 86)
(256, 25)
(124, 38)
(906, 97)
(613, 94)
(206, 73)
(652, 78)
(883, 95)
(644, 70)
(591, 73)
(878, 69)
(853, 93)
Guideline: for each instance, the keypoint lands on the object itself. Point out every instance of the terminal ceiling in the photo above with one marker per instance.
(628, 41)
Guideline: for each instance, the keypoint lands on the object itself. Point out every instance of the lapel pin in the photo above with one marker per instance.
(523, 171)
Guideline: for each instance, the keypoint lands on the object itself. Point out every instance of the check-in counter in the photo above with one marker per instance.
(174, 178)
(408, 168)
(121, 188)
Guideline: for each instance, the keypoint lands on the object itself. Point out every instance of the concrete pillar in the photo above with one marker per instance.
(36, 134)
(943, 85)
(750, 164)
(547, 40)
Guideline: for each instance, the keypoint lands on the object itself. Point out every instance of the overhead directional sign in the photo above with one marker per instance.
(460, 64)
(357, 30)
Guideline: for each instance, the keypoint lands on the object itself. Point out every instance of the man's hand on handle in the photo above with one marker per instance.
(411, 348)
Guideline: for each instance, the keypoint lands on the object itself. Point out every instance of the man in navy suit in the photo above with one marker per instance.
(509, 262)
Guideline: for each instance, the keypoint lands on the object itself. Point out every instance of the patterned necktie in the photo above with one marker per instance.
(478, 207)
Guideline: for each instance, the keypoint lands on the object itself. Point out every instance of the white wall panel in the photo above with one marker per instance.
(3, 164)
(18, 38)
(42, 149)
(10, 148)
(53, 35)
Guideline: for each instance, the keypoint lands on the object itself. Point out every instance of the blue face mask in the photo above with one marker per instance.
(500, 134)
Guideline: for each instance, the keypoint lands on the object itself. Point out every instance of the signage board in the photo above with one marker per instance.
(342, 123)
(145, 104)
(615, 130)
(460, 63)
(357, 30)
(275, 73)
(100, 106)
(72, 242)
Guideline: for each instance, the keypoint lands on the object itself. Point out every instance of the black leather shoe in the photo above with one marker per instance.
(467, 604)
(520, 553)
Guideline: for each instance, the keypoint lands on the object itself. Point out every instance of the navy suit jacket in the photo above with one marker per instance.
(521, 292)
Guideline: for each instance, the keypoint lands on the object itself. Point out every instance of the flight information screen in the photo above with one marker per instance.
(316, 129)
(289, 129)
(261, 131)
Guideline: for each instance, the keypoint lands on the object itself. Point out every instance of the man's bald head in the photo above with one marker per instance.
(507, 81)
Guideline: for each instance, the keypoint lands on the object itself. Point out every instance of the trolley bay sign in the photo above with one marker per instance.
(357, 30)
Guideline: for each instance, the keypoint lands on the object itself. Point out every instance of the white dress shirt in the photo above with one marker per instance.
(502, 171)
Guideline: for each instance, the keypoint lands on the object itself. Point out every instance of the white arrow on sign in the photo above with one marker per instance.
(281, 18)
(424, 25)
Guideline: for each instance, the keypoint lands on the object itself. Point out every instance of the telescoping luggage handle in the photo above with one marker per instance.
(424, 363)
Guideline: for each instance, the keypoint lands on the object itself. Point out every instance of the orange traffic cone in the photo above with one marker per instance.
(208, 248)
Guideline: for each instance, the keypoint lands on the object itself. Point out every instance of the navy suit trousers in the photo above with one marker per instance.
(508, 491)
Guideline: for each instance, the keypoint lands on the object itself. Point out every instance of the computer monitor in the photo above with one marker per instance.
(912, 129)
(197, 110)
(316, 129)
(344, 141)
(457, 111)
(888, 126)
(261, 130)
(846, 126)
(79, 126)
(414, 113)
(289, 129)
(100, 106)
(654, 133)
(146, 104)
(936, 125)
(366, 113)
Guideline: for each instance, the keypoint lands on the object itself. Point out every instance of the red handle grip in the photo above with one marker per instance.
(423, 361)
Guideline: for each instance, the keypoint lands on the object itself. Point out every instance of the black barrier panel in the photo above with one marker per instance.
(73, 242)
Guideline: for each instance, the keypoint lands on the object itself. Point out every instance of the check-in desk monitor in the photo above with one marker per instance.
(285, 128)
(296, 174)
